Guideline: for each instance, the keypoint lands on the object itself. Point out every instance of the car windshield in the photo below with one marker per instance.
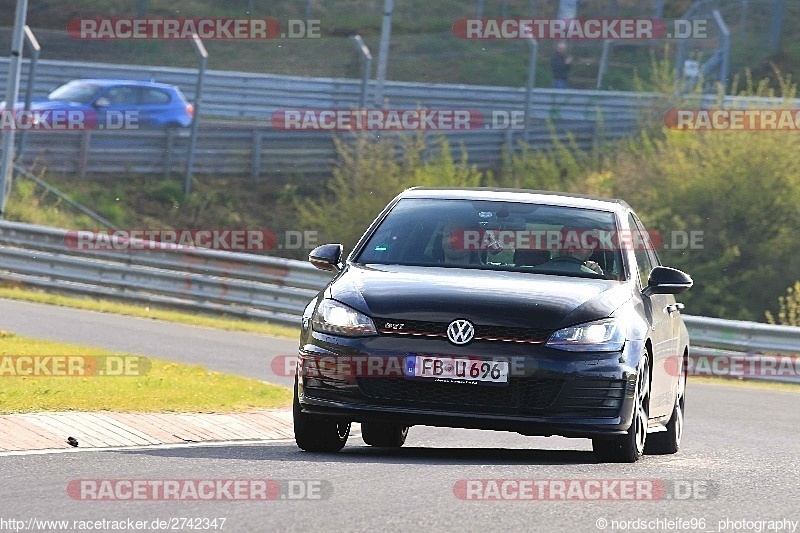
(497, 235)
(80, 92)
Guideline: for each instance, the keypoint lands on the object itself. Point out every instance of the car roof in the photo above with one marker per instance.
(518, 195)
(108, 82)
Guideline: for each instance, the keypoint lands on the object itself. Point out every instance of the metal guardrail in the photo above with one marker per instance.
(259, 153)
(741, 336)
(250, 146)
(256, 286)
(206, 280)
(255, 97)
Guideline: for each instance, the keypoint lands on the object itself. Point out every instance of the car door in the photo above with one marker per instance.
(156, 108)
(661, 324)
(122, 103)
(670, 371)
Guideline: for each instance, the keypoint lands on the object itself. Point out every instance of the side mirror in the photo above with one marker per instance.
(102, 102)
(327, 257)
(665, 280)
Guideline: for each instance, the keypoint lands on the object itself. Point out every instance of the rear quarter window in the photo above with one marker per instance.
(155, 97)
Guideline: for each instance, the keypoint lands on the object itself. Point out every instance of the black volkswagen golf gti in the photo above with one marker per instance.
(535, 312)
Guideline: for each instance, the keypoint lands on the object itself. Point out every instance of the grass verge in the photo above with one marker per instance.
(153, 385)
(144, 311)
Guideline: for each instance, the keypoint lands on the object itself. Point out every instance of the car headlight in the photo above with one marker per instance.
(338, 319)
(604, 335)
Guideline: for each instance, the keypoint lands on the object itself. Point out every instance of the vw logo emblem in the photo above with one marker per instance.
(460, 331)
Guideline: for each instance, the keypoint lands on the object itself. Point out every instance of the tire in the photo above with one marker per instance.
(628, 448)
(314, 433)
(384, 435)
(669, 441)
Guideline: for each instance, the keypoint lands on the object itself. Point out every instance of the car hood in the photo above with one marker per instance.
(495, 298)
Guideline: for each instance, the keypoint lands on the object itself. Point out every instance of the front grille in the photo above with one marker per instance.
(589, 398)
(422, 328)
(519, 394)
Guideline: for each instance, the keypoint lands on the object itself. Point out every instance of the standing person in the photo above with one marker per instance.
(560, 64)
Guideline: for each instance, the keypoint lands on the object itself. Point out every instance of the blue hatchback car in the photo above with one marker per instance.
(140, 104)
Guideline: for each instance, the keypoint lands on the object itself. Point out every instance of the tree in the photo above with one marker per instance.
(371, 172)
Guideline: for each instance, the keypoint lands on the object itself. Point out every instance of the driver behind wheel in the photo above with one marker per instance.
(452, 254)
(575, 257)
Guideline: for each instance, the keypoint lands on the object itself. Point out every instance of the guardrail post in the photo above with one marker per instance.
(598, 125)
(508, 139)
(256, 160)
(534, 46)
(83, 154)
(169, 149)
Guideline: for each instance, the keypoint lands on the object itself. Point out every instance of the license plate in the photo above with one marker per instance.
(456, 370)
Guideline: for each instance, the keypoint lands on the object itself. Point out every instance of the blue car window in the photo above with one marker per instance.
(122, 96)
(155, 97)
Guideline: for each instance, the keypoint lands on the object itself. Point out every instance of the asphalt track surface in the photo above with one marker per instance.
(245, 354)
(738, 469)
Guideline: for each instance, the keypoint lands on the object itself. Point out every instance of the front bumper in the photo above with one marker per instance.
(550, 393)
(526, 425)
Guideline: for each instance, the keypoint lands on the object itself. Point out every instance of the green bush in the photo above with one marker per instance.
(741, 189)
(788, 308)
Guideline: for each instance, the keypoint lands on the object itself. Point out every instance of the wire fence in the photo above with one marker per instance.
(423, 47)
